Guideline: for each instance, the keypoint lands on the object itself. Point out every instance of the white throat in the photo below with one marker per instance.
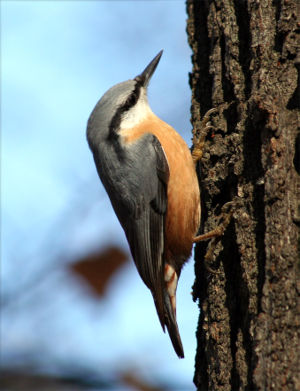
(137, 113)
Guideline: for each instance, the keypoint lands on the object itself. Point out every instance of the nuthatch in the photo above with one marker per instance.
(149, 174)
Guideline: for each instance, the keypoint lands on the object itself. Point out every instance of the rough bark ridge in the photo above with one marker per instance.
(244, 53)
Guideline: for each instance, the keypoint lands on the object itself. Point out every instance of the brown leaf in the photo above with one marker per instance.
(97, 269)
(130, 379)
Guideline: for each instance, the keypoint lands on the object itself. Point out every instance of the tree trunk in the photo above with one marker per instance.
(244, 61)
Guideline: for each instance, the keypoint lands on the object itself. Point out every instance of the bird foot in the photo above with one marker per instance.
(226, 214)
(215, 234)
(199, 135)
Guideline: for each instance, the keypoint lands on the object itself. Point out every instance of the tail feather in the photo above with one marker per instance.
(172, 326)
(167, 319)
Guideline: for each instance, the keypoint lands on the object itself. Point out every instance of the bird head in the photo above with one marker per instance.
(123, 105)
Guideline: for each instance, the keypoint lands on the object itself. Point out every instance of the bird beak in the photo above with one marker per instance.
(145, 76)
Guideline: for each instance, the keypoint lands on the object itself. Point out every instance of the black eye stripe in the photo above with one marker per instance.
(132, 99)
(129, 103)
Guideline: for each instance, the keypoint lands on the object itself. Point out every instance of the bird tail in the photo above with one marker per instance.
(172, 326)
(166, 308)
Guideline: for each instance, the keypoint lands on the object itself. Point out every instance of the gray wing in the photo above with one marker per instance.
(136, 179)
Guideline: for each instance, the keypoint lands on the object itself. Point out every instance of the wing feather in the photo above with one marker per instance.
(136, 180)
(146, 238)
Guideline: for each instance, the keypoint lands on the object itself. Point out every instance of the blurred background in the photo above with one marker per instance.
(74, 312)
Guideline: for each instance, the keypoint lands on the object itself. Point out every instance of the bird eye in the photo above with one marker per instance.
(131, 101)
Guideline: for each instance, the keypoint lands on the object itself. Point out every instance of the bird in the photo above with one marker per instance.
(148, 172)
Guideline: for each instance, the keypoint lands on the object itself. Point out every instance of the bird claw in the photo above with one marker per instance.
(226, 215)
(199, 135)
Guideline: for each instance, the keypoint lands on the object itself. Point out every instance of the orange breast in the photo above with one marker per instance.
(183, 214)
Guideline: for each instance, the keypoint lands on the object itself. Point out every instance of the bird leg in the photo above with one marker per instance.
(219, 230)
(199, 136)
(216, 234)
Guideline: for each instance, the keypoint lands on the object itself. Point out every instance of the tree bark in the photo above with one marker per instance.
(245, 62)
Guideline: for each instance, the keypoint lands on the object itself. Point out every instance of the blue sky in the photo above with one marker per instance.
(58, 58)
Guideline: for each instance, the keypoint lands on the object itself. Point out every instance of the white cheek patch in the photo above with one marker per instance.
(171, 280)
(137, 113)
